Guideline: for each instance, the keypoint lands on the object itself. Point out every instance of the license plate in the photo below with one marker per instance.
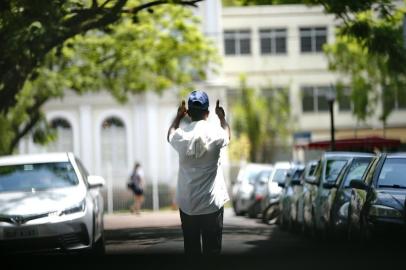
(20, 233)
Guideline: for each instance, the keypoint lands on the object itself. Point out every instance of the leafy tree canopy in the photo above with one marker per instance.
(123, 47)
(262, 122)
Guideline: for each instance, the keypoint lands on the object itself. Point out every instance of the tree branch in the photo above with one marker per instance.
(35, 116)
(105, 3)
(135, 10)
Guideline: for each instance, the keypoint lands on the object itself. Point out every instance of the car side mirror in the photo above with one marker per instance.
(311, 180)
(329, 185)
(263, 180)
(295, 182)
(281, 184)
(95, 181)
(358, 184)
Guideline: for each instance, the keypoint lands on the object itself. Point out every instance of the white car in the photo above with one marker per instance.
(49, 202)
(243, 189)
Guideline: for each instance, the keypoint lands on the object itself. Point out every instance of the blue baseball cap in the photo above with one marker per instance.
(198, 100)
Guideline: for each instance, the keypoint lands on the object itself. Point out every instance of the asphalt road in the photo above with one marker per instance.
(155, 240)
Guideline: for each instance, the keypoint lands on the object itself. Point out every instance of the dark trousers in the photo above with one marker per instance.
(208, 228)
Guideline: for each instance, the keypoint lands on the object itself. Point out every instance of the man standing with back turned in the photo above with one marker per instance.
(201, 190)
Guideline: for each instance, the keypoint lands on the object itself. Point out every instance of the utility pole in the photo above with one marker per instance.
(331, 97)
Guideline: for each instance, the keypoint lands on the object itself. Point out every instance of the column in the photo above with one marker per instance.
(151, 134)
(86, 145)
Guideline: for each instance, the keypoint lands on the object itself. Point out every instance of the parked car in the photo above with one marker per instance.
(327, 171)
(270, 204)
(309, 172)
(260, 188)
(377, 204)
(243, 190)
(332, 197)
(287, 202)
(48, 202)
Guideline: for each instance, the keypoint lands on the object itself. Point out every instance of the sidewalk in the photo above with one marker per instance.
(167, 218)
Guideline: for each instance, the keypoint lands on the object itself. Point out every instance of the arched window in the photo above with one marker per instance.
(64, 140)
(113, 146)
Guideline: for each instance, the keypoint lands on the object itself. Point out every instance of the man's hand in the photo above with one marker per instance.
(176, 122)
(220, 111)
(222, 116)
(181, 110)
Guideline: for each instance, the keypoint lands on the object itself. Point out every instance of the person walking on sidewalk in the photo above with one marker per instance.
(201, 189)
(137, 187)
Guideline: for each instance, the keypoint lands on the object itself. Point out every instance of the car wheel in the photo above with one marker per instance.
(236, 211)
(99, 247)
(352, 235)
(282, 221)
(265, 215)
(365, 232)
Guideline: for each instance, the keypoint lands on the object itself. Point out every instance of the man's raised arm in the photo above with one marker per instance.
(176, 122)
(222, 116)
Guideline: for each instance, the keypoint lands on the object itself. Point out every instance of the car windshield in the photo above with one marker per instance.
(280, 175)
(393, 173)
(297, 174)
(40, 176)
(333, 169)
(356, 170)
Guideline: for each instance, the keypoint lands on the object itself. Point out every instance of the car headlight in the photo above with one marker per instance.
(384, 211)
(343, 211)
(74, 209)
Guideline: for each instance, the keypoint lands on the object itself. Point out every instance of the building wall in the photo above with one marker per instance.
(296, 69)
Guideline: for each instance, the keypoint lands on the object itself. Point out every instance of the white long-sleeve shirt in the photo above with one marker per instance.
(201, 188)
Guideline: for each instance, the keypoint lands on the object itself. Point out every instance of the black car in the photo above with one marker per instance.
(377, 204)
(333, 197)
(330, 166)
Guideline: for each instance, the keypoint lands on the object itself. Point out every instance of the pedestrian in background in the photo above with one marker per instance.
(201, 189)
(137, 187)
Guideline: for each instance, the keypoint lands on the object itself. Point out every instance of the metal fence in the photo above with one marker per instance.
(117, 197)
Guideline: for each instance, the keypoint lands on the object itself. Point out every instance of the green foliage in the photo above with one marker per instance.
(163, 50)
(259, 2)
(263, 121)
(48, 47)
(370, 50)
(373, 73)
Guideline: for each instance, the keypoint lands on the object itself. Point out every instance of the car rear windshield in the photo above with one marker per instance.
(333, 169)
(40, 176)
(280, 175)
(393, 173)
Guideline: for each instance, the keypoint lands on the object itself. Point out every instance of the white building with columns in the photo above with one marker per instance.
(110, 137)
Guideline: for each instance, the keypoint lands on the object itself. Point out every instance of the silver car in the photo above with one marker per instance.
(48, 202)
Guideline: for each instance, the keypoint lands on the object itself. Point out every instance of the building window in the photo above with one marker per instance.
(237, 42)
(397, 101)
(278, 93)
(400, 100)
(273, 41)
(113, 146)
(312, 39)
(314, 99)
(64, 139)
(344, 100)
